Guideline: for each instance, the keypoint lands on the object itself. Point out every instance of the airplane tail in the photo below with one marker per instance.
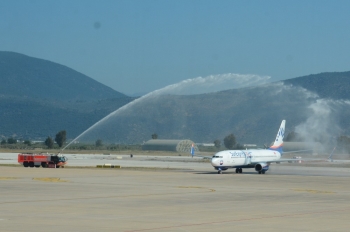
(278, 144)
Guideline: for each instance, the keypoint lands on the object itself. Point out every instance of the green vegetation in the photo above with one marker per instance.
(11, 141)
(49, 142)
(230, 141)
(154, 136)
(217, 143)
(54, 148)
(27, 142)
(61, 138)
(98, 143)
(110, 147)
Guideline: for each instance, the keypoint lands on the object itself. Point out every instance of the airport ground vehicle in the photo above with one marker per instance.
(44, 160)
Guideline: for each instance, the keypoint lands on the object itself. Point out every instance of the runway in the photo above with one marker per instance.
(191, 197)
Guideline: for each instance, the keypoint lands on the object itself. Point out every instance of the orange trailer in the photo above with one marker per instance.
(44, 160)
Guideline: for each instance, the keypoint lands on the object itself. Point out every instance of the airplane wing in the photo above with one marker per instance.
(279, 161)
(288, 152)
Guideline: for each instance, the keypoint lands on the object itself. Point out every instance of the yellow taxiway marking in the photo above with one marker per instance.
(313, 191)
(50, 179)
(8, 178)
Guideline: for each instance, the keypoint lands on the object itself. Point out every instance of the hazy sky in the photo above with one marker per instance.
(143, 45)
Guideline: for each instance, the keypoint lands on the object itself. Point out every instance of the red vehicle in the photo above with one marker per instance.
(45, 160)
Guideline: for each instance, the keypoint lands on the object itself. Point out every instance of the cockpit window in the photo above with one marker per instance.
(216, 156)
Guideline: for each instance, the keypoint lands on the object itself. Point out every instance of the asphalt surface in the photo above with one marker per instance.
(186, 196)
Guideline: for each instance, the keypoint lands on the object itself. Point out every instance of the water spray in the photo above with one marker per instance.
(199, 85)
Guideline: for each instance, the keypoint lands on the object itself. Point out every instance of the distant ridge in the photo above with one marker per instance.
(25, 76)
(335, 85)
(38, 98)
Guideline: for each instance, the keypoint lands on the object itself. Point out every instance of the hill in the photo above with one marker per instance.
(28, 77)
(333, 85)
(252, 114)
(38, 98)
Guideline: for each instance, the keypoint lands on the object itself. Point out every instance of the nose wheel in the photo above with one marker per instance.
(219, 171)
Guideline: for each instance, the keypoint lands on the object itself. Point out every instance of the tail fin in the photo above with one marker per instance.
(278, 144)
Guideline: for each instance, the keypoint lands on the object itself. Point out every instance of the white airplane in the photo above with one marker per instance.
(260, 160)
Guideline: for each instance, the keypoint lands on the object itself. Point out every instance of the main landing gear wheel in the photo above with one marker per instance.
(239, 170)
(262, 172)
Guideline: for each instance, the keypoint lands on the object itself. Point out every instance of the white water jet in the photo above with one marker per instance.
(199, 85)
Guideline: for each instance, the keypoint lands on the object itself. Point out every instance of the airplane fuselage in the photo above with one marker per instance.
(243, 158)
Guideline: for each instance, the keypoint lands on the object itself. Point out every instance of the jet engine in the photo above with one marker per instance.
(261, 167)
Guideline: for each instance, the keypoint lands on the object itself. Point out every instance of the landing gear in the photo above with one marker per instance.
(262, 172)
(239, 170)
(219, 171)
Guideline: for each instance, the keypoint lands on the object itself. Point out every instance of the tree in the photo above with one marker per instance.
(98, 143)
(49, 142)
(61, 138)
(239, 146)
(217, 143)
(154, 136)
(27, 142)
(3, 141)
(11, 141)
(230, 141)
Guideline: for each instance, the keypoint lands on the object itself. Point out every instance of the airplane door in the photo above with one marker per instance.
(248, 157)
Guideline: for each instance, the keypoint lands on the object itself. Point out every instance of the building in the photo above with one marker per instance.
(169, 145)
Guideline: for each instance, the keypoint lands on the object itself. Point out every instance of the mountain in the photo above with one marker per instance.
(333, 85)
(252, 114)
(38, 98)
(28, 77)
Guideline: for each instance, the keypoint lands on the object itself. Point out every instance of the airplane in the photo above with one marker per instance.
(260, 160)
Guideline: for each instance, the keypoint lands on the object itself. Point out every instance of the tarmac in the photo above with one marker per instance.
(186, 196)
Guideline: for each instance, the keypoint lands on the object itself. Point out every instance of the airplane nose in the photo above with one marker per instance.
(213, 162)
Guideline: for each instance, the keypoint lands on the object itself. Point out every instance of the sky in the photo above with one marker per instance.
(138, 46)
